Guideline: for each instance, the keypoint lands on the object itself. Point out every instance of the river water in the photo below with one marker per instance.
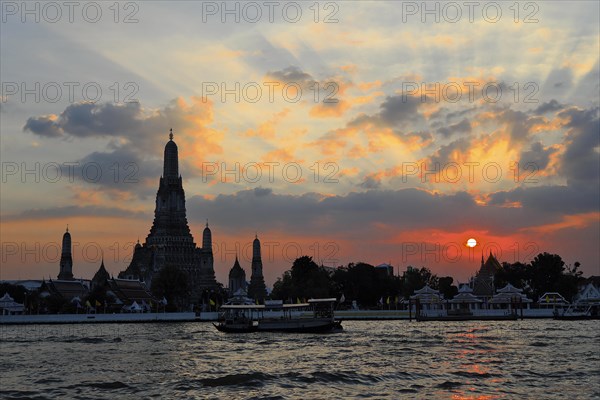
(537, 359)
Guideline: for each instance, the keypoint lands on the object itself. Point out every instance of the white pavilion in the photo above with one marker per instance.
(552, 300)
(509, 296)
(429, 298)
(465, 299)
(8, 306)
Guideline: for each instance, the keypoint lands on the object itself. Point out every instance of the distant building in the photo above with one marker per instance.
(126, 292)
(8, 306)
(237, 279)
(385, 269)
(589, 292)
(66, 259)
(170, 241)
(429, 298)
(67, 289)
(465, 299)
(30, 285)
(552, 300)
(100, 277)
(257, 289)
(510, 296)
(483, 284)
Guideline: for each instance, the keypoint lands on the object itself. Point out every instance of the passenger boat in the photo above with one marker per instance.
(315, 316)
(578, 312)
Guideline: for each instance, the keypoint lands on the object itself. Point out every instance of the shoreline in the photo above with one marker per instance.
(345, 315)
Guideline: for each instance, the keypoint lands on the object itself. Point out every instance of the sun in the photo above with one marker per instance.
(471, 242)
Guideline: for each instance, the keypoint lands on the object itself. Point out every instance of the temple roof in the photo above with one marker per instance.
(130, 290)
(67, 289)
(101, 275)
(237, 271)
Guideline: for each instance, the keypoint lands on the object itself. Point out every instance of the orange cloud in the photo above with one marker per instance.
(578, 221)
(266, 130)
(328, 110)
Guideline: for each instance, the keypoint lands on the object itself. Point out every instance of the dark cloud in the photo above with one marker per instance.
(43, 126)
(370, 182)
(580, 163)
(519, 124)
(537, 155)
(397, 109)
(548, 107)
(146, 130)
(291, 74)
(345, 216)
(444, 154)
(463, 126)
(75, 211)
(137, 138)
(122, 169)
(550, 200)
(89, 119)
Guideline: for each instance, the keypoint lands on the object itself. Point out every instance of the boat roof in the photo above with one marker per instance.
(260, 306)
(329, 300)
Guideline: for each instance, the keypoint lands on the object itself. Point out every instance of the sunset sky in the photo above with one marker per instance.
(506, 107)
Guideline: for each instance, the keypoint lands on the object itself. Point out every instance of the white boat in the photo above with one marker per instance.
(317, 315)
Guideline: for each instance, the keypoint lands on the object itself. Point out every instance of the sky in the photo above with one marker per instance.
(374, 131)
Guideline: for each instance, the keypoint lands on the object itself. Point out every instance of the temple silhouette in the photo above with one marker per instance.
(170, 242)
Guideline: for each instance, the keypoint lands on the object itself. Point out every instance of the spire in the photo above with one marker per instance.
(207, 238)
(171, 161)
(66, 243)
(256, 248)
(66, 259)
(257, 289)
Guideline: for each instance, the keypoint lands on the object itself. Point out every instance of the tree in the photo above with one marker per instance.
(545, 272)
(365, 284)
(446, 288)
(517, 274)
(305, 280)
(414, 279)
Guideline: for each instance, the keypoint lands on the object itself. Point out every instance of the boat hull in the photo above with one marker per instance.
(300, 326)
(236, 328)
(510, 317)
(291, 326)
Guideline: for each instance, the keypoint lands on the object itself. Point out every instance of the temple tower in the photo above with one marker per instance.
(170, 241)
(257, 289)
(237, 278)
(66, 259)
(206, 279)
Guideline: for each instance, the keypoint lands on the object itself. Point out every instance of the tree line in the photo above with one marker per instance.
(368, 285)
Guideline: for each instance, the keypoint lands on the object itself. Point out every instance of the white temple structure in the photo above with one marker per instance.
(588, 295)
(8, 306)
(428, 298)
(509, 296)
(465, 299)
(552, 300)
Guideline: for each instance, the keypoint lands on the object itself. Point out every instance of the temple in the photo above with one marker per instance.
(66, 259)
(483, 284)
(237, 279)
(170, 241)
(257, 289)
